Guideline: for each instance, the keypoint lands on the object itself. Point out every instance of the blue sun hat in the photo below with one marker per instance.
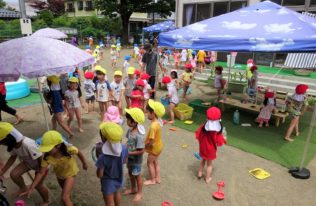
(88, 47)
(169, 52)
(135, 45)
(127, 57)
(194, 53)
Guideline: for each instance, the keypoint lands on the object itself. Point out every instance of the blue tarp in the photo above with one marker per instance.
(264, 27)
(161, 27)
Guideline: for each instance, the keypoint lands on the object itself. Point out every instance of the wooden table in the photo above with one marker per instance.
(278, 116)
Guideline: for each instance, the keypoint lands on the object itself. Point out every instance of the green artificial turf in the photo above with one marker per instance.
(270, 70)
(32, 99)
(264, 142)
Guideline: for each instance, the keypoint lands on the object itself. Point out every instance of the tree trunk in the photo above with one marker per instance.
(125, 25)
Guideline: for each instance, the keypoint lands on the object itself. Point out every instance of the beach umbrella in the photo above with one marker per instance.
(36, 57)
(50, 33)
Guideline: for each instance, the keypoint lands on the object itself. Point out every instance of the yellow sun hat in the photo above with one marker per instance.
(97, 47)
(73, 80)
(158, 108)
(130, 70)
(54, 79)
(5, 129)
(137, 115)
(100, 69)
(113, 46)
(49, 140)
(111, 131)
(118, 73)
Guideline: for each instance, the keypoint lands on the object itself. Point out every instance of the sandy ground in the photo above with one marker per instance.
(178, 168)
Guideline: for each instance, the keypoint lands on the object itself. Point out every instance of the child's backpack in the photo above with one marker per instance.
(47, 94)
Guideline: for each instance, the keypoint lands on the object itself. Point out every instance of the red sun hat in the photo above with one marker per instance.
(213, 114)
(269, 94)
(253, 68)
(301, 89)
(137, 72)
(140, 83)
(145, 76)
(89, 75)
(166, 80)
(188, 66)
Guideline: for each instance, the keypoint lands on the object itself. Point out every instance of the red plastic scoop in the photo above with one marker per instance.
(219, 195)
(166, 203)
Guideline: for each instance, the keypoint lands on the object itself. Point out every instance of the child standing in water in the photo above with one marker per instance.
(30, 158)
(153, 141)
(136, 148)
(209, 136)
(110, 163)
(61, 156)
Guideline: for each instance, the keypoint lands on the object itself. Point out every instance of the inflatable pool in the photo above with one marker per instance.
(17, 90)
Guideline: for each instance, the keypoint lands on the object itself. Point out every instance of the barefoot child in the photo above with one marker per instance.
(113, 54)
(176, 57)
(104, 90)
(147, 89)
(136, 148)
(269, 106)
(118, 89)
(218, 82)
(187, 78)
(129, 84)
(113, 115)
(209, 136)
(153, 141)
(126, 63)
(110, 163)
(73, 102)
(137, 95)
(174, 79)
(61, 156)
(90, 89)
(30, 158)
(172, 96)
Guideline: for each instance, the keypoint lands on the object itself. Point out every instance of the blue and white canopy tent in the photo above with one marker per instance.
(264, 27)
(160, 27)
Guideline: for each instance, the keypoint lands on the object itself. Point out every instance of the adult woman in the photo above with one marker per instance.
(296, 106)
(4, 106)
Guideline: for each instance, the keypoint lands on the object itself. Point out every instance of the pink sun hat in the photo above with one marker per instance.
(112, 115)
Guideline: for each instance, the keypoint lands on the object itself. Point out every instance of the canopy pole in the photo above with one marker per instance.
(42, 103)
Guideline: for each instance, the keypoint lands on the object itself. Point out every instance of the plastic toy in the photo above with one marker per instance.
(184, 146)
(166, 203)
(259, 173)
(197, 156)
(189, 122)
(173, 129)
(19, 203)
(219, 195)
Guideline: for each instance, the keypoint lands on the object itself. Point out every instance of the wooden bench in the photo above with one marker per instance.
(278, 116)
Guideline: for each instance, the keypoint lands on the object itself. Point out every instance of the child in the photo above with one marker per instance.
(113, 115)
(61, 156)
(118, 88)
(269, 105)
(88, 49)
(147, 88)
(201, 59)
(126, 63)
(90, 40)
(193, 60)
(129, 84)
(174, 79)
(97, 53)
(209, 136)
(113, 56)
(187, 78)
(110, 163)
(118, 49)
(163, 63)
(104, 90)
(176, 57)
(219, 81)
(137, 74)
(137, 95)
(136, 148)
(172, 96)
(136, 51)
(73, 102)
(90, 89)
(153, 141)
(56, 105)
(64, 87)
(184, 56)
(30, 158)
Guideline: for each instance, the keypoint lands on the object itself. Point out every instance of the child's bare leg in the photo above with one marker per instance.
(151, 167)
(60, 121)
(202, 163)
(267, 124)
(261, 123)
(101, 107)
(145, 105)
(209, 169)
(157, 170)
(79, 120)
(88, 102)
(171, 108)
(109, 200)
(43, 191)
(54, 122)
(296, 127)
(16, 176)
(117, 198)
(66, 191)
(290, 129)
(127, 99)
(71, 117)
(133, 189)
(139, 194)
(93, 105)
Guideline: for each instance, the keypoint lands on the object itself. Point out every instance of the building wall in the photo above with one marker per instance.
(78, 12)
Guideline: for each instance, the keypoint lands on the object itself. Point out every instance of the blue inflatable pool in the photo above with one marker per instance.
(17, 90)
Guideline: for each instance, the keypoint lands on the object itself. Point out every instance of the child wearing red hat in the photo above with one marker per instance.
(172, 96)
(147, 88)
(137, 74)
(187, 78)
(296, 106)
(209, 136)
(137, 95)
(269, 105)
(90, 89)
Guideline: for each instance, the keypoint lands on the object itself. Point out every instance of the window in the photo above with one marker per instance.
(80, 5)
(235, 5)
(293, 2)
(204, 11)
(189, 14)
(220, 8)
(70, 7)
(89, 6)
(313, 2)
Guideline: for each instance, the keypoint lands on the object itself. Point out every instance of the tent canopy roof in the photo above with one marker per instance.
(161, 27)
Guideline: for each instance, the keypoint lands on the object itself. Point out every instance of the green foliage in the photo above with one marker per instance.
(46, 16)
(2, 4)
(311, 101)
(61, 21)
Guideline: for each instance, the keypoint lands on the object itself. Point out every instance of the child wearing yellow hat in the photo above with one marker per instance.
(136, 148)
(110, 162)
(129, 83)
(30, 158)
(113, 54)
(61, 156)
(73, 102)
(153, 141)
(118, 90)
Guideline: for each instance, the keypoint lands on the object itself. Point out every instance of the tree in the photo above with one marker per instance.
(57, 7)
(2, 4)
(125, 8)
